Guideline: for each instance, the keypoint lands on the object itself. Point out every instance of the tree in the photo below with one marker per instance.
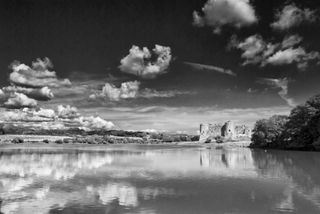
(301, 130)
(268, 132)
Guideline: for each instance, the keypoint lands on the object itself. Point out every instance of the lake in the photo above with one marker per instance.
(157, 179)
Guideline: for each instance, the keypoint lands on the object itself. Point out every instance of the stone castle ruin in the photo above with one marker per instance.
(228, 131)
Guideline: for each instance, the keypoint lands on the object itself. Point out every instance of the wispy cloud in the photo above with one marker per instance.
(131, 90)
(281, 84)
(210, 68)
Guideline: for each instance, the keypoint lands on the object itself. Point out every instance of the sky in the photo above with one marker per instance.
(164, 65)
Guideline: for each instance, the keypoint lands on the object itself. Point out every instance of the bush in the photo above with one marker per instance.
(219, 139)
(195, 138)
(59, 141)
(66, 140)
(17, 140)
(208, 140)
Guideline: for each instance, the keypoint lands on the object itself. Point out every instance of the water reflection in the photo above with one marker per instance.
(159, 180)
(223, 158)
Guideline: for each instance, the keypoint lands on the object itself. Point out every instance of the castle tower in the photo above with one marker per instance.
(228, 130)
(204, 132)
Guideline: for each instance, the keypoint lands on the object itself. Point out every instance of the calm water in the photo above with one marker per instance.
(158, 179)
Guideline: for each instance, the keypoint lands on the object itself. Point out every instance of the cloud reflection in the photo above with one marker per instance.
(134, 178)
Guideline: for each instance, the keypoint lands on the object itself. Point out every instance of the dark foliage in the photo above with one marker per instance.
(301, 130)
(17, 140)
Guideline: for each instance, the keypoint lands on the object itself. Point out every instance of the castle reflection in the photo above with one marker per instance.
(223, 158)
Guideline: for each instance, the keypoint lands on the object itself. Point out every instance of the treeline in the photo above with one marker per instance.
(101, 134)
(298, 131)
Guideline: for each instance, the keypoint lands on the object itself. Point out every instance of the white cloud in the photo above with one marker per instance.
(63, 118)
(127, 90)
(290, 41)
(131, 89)
(95, 123)
(152, 93)
(140, 62)
(204, 67)
(43, 93)
(67, 111)
(283, 85)
(292, 16)
(2, 95)
(257, 51)
(252, 48)
(18, 100)
(37, 76)
(298, 55)
(286, 56)
(30, 114)
(217, 13)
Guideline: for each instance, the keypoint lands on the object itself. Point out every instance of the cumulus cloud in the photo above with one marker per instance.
(63, 118)
(127, 90)
(146, 64)
(289, 51)
(37, 76)
(290, 55)
(95, 123)
(71, 113)
(43, 93)
(67, 111)
(281, 84)
(292, 16)
(253, 48)
(131, 89)
(18, 100)
(217, 13)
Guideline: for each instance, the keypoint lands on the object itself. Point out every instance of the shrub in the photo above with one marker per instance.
(219, 139)
(59, 141)
(17, 140)
(195, 138)
(45, 141)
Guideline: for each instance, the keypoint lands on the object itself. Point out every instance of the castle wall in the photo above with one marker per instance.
(209, 131)
(228, 131)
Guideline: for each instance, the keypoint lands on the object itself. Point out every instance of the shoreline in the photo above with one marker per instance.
(30, 140)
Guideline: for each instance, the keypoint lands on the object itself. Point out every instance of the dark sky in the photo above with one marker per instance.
(89, 37)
